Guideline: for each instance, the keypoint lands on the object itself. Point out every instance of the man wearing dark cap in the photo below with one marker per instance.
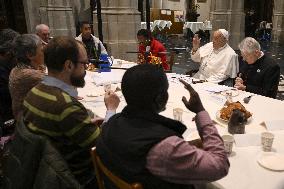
(139, 145)
(7, 63)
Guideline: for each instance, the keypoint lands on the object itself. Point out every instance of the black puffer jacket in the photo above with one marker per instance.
(31, 162)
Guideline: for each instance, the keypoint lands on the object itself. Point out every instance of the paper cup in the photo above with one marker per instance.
(228, 143)
(267, 141)
(177, 113)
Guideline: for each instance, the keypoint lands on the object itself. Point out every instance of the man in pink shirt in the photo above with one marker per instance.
(139, 145)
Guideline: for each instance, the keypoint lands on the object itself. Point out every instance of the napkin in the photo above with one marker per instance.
(274, 125)
(217, 89)
(128, 65)
(250, 139)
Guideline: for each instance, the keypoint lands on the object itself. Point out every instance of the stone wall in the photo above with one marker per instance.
(121, 21)
(58, 15)
(278, 21)
(204, 11)
(229, 15)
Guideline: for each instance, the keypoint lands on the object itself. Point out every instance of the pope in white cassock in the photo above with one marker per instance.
(218, 61)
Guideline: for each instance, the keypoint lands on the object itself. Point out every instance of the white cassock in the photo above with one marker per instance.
(216, 65)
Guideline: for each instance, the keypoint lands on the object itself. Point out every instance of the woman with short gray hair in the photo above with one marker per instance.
(249, 45)
(260, 74)
(28, 50)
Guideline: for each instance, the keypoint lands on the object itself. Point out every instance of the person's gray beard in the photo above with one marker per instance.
(78, 81)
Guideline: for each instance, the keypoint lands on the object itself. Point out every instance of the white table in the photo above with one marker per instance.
(144, 25)
(245, 172)
(162, 24)
(196, 26)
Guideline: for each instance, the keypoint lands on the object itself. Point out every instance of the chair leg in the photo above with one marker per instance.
(97, 171)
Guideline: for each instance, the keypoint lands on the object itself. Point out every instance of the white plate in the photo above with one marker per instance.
(218, 117)
(234, 92)
(271, 161)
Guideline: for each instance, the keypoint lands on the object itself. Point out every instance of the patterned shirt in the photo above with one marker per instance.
(51, 109)
(22, 79)
(175, 160)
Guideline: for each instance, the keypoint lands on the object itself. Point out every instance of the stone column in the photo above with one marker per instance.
(58, 15)
(157, 4)
(229, 15)
(278, 21)
(32, 14)
(121, 21)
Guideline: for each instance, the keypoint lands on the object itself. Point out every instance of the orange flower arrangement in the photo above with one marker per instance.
(151, 59)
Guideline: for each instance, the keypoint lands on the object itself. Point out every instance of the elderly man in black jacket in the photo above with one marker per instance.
(260, 74)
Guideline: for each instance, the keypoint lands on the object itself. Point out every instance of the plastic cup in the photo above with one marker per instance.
(228, 143)
(119, 63)
(177, 112)
(107, 86)
(267, 141)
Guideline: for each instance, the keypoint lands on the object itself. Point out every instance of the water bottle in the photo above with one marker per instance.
(237, 122)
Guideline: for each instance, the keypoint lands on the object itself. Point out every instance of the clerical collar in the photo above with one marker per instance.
(220, 49)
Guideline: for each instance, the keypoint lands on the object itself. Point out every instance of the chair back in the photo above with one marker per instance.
(101, 170)
(170, 61)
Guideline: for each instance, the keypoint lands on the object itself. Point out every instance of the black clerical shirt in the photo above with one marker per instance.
(262, 77)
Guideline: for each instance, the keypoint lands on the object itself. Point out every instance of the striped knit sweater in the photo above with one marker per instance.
(52, 112)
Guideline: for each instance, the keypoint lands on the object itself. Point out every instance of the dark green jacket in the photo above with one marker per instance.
(31, 162)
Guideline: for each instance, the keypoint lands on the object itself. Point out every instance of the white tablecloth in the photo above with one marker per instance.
(245, 172)
(161, 24)
(196, 26)
(144, 25)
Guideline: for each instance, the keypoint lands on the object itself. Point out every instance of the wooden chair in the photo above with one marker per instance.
(101, 170)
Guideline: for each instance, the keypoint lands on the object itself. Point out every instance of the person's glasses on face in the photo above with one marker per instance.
(85, 63)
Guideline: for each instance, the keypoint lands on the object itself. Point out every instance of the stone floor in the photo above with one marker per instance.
(184, 63)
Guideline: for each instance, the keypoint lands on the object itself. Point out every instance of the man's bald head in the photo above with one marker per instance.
(43, 32)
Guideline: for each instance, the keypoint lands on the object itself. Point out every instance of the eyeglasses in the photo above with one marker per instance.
(86, 64)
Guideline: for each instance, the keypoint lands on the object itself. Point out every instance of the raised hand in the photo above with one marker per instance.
(195, 42)
(194, 104)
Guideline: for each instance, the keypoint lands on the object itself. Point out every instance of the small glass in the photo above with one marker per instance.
(228, 143)
(119, 63)
(107, 86)
(177, 112)
(229, 96)
(267, 141)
